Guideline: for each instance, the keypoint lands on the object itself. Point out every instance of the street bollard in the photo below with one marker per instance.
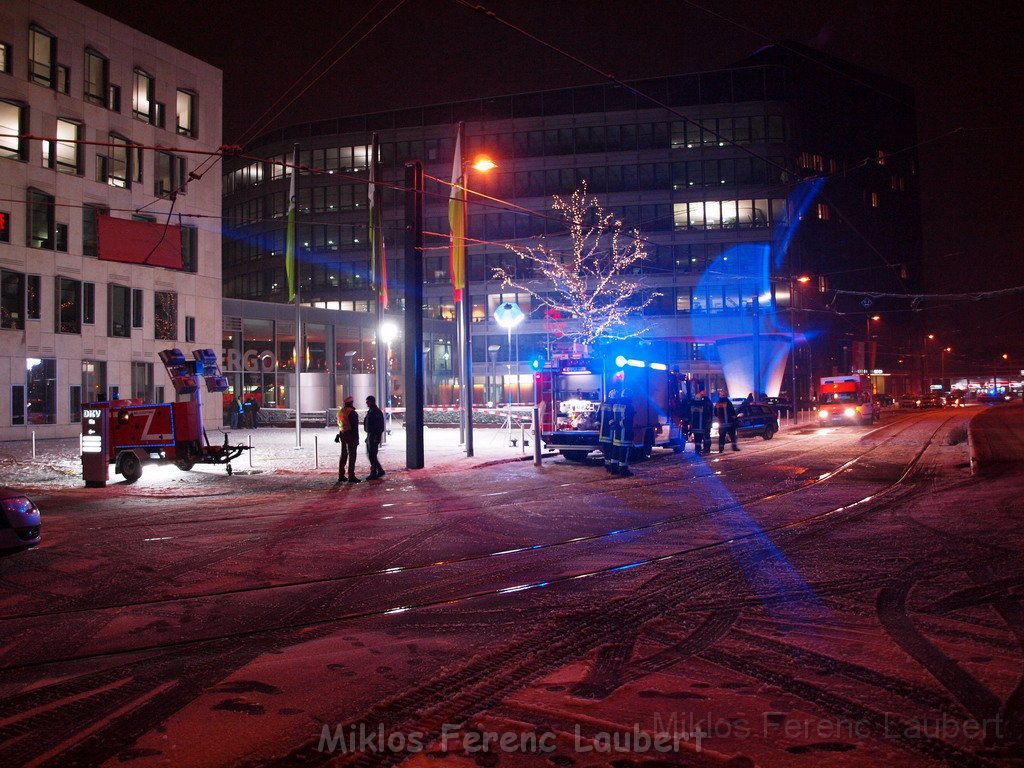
(522, 436)
(536, 436)
(33, 444)
(316, 452)
(250, 451)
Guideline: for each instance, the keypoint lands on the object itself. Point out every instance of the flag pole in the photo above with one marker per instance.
(376, 251)
(293, 204)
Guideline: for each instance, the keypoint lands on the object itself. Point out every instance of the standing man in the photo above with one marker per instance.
(606, 421)
(373, 423)
(725, 412)
(623, 438)
(255, 413)
(348, 436)
(701, 413)
(234, 410)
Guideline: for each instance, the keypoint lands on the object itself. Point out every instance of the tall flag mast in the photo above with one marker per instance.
(457, 268)
(378, 271)
(292, 269)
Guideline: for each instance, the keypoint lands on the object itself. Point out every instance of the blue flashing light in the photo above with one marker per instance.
(536, 363)
(659, 366)
(620, 361)
(636, 363)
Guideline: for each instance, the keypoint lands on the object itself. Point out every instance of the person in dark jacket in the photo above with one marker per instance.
(373, 424)
(348, 436)
(701, 413)
(725, 412)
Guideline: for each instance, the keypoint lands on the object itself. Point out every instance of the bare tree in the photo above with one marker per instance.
(593, 284)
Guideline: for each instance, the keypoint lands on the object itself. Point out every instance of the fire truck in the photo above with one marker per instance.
(847, 400)
(130, 433)
(569, 397)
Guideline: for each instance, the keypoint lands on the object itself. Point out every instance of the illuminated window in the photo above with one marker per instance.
(68, 305)
(165, 315)
(823, 212)
(13, 117)
(42, 57)
(186, 113)
(142, 97)
(122, 165)
(65, 156)
(874, 199)
(5, 58)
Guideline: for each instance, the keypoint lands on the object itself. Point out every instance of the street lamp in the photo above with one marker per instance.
(387, 333)
(492, 350)
(508, 316)
(349, 355)
(460, 193)
(942, 369)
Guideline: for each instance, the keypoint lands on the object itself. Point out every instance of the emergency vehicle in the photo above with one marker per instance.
(129, 433)
(569, 398)
(846, 400)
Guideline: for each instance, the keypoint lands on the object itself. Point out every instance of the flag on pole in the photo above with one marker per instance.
(378, 255)
(457, 221)
(290, 266)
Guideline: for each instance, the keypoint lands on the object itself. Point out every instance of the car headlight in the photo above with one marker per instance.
(849, 413)
(822, 414)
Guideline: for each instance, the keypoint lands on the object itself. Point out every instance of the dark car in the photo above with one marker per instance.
(885, 401)
(933, 401)
(754, 420)
(910, 401)
(20, 522)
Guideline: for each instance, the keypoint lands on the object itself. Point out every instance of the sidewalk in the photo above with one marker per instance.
(58, 461)
(996, 437)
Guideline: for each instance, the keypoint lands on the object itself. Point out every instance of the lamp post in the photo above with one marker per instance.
(387, 333)
(924, 362)
(492, 350)
(412, 351)
(508, 316)
(481, 164)
(349, 355)
(942, 375)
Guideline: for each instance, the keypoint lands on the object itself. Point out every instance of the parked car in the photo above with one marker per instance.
(754, 420)
(910, 401)
(20, 522)
(932, 401)
(885, 401)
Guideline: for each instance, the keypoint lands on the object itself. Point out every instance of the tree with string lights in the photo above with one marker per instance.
(593, 284)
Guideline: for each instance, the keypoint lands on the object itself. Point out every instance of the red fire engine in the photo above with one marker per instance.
(129, 433)
(569, 403)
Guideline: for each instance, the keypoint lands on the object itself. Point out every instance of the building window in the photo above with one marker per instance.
(33, 293)
(169, 172)
(137, 312)
(142, 381)
(119, 311)
(190, 328)
(117, 167)
(12, 300)
(94, 380)
(41, 388)
(42, 57)
(41, 229)
(63, 79)
(823, 212)
(13, 119)
(97, 77)
(874, 199)
(189, 249)
(66, 156)
(5, 226)
(68, 309)
(5, 58)
(165, 315)
(90, 212)
(142, 97)
(88, 303)
(186, 110)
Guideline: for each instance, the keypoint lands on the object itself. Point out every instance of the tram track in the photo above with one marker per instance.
(210, 557)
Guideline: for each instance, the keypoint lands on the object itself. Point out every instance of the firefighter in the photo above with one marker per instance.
(606, 422)
(701, 414)
(622, 438)
(725, 412)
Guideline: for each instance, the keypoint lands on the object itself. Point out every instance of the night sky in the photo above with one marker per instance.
(963, 59)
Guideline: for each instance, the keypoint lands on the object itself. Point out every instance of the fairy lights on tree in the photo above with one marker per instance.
(593, 284)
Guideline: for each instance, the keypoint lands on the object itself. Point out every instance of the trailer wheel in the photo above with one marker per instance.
(577, 456)
(131, 467)
(184, 464)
